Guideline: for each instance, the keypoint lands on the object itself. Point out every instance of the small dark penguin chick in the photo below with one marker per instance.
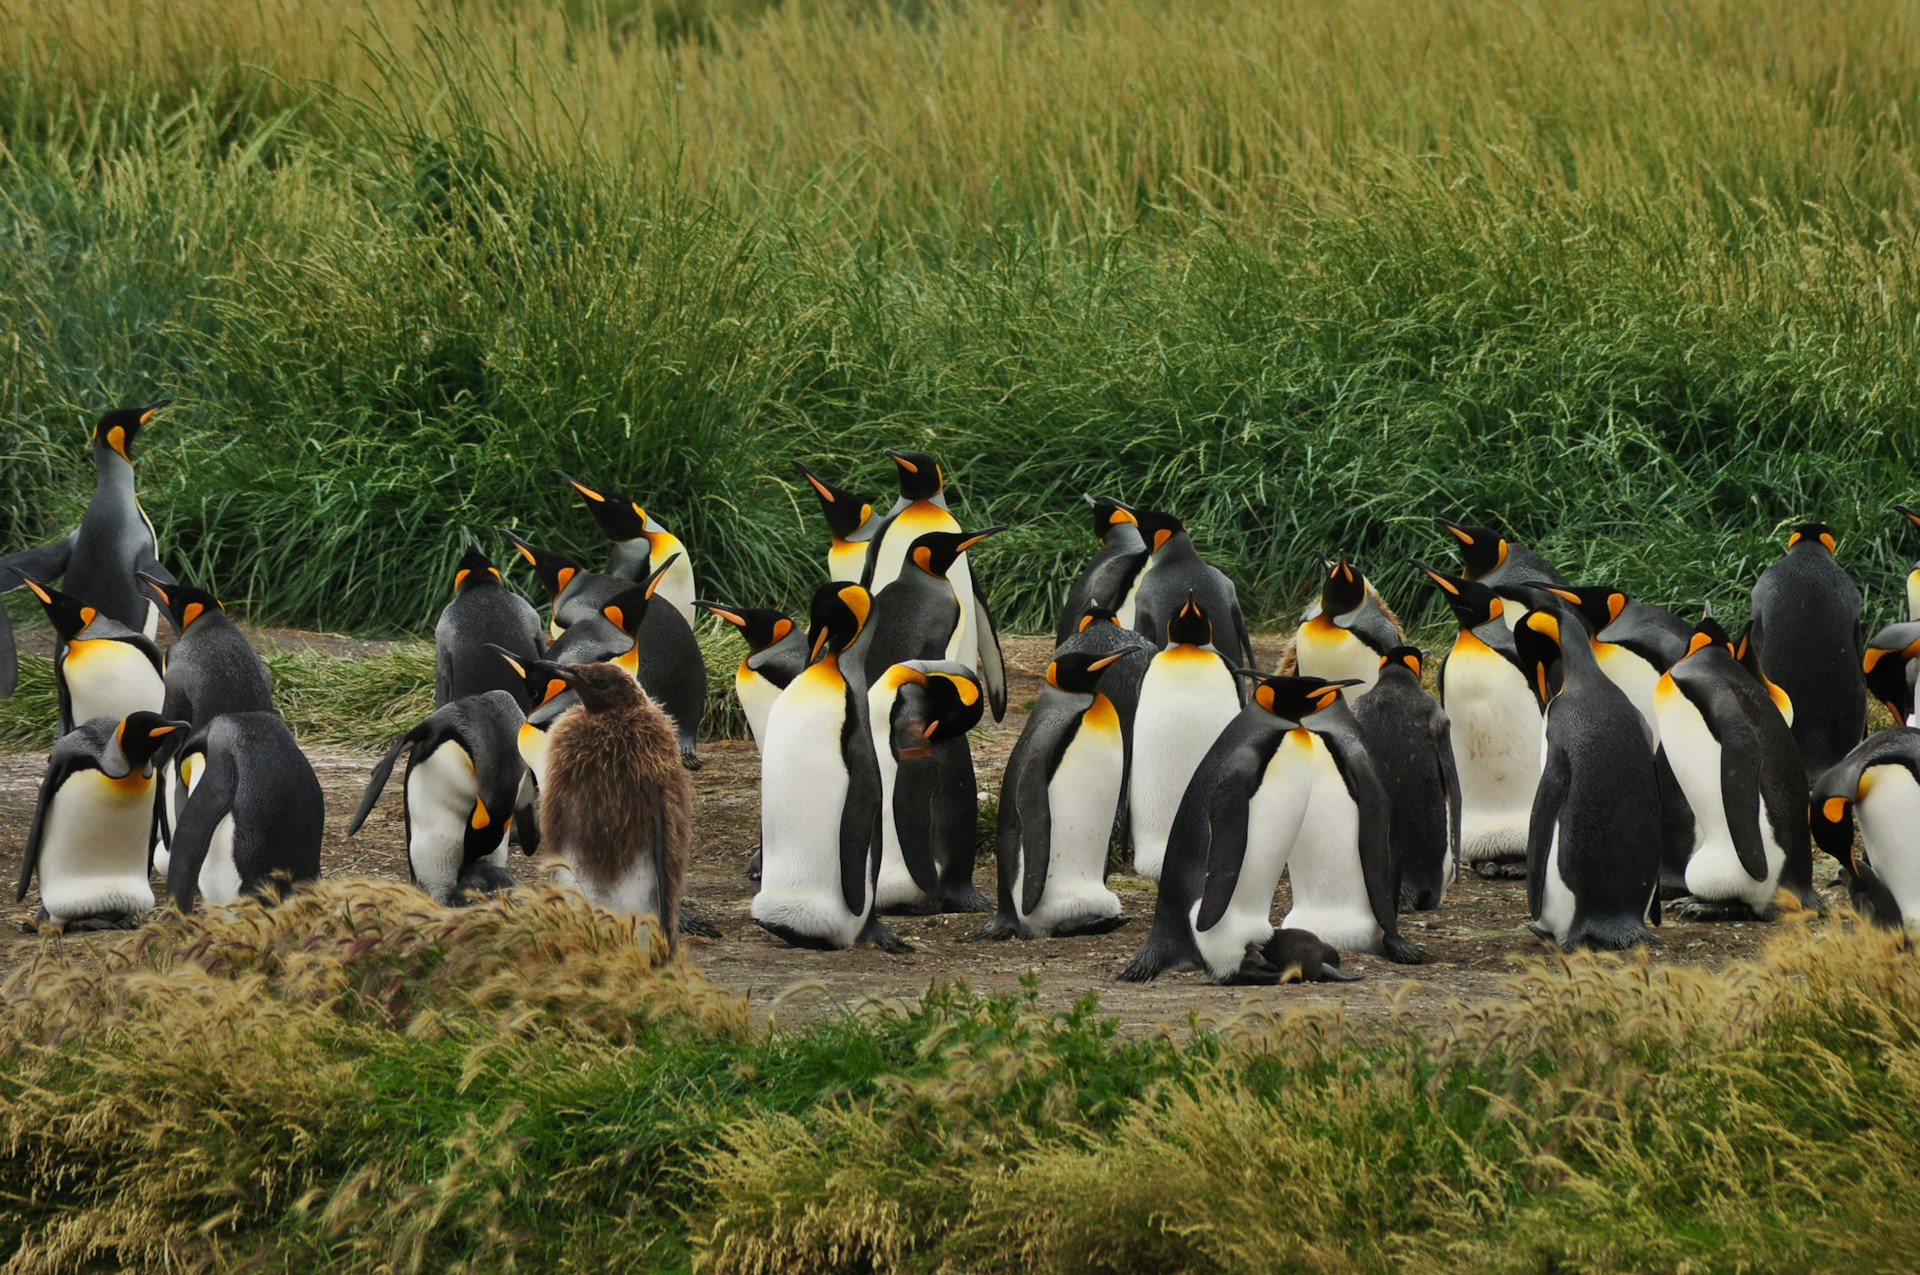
(617, 806)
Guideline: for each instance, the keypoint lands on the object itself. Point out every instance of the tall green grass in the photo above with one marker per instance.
(1637, 282)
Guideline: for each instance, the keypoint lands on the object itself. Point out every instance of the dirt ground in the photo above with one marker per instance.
(1475, 941)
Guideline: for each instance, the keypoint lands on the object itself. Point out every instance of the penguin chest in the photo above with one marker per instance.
(896, 886)
(846, 560)
(532, 745)
(916, 520)
(1496, 749)
(1714, 870)
(676, 586)
(1888, 809)
(1329, 884)
(110, 679)
(93, 846)
(804, 781)
(1274, 815)
(1636, 678)
(1186, 698)
(220, 880)
(442, 791)
(1913, 593)
(756, 695)
(1082, 796)
(1324, 649)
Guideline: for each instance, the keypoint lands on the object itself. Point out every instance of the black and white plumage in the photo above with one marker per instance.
(484, 612)
(254, 814)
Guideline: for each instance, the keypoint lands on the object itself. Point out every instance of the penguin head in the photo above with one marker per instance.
(601, 687)
(1407, 658)
(142, 735)
(1910, 514)
(1097, 614)
(1481, 548)
(1536, 639)
(934, 705)
(474, 569)
(555, 570)
(68, 614)
(1708, 635)
(184, 603)
(116, 429)
(937, 551)
(1157, 528)
(920, 475)
(1344, 589)
(846, 513)
(1473, 603)
(761, 627)
(1832, 821)
(1189, 626)
(1811, 534)
(1079, 671)
(1885, 663)
(542, 681)
(1106, 512)
(1596, 605)
(1292, 698)
(620, 517)
(836, 619)
(626, 609)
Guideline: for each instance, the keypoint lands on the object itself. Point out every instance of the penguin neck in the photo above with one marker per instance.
(1577, 660)
(112, 472)
(1179, 548)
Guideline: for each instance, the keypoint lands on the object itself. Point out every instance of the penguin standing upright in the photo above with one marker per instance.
(97, 561)
(1187, 697)
(617, 807)
(1743, 777)
(94, 823)
(463, 779)
(1806, 632)
(922, 507)
(850, 521)
(1346, 632)
(1879, 781)
(820, 792)
(641, 546)
(254, 813)
(101, 667)
(573, 592)
(918, 616)
(920, 712)
(483, 612)
(1489, 558)
(776, 653)
(1108, 579)
(1410, 743)
(1057, 802)
(1593, 844)
(1175, 570)
(1493, 714)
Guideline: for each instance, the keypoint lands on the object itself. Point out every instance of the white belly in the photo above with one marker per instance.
(93, 848)
(1186, 699)
(532, 743)
(1889, 813)
(1273, 826)
(441, 792)
(219, 875)
(803, 793)
(1329, 886)
(1713, 869)
(1637, 679)
(756, 695)
(1081, 796)
(1913, 594)
(1496, 748)
(1324, 649)
(896, 886)
(111, 679)
(676, 586)
(1556, 901)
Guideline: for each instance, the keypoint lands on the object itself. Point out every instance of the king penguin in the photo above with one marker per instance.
(115, 538)
(101, 667)
(1913, 572)
(922, 507)
(1805, 628)
(1057, 803)
(1493, 714)
(463, 780)
(776, 654)
(1410, 743)
(1743, 777)
(1891, 666)
(483, 613)
(1110, 576)
(1187, 697)
(1879, 783)
(254, 813)
(1173, 571)
(850, 521)
(1593, 844)
(820, 792)
(94, 823)
(918, 616)
(1488, 557)
(573, 592)
(1346, 632)
(641, 546)
(920, 712)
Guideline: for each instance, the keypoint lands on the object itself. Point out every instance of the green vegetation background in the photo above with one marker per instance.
(1636, 281)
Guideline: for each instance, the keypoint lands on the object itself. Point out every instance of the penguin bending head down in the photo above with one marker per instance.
(253, 814)
(1879, 783)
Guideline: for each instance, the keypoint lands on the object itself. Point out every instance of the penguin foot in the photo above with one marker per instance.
(101, 921)
(882, 937)
(1542, 933)
(1081, 926)
(967, 899)
(698, 928)
(688, 760)
(753, 868)
(34, 923)
(1402, 950)
(1001, 926)
(1501, 869)
(1689, 908)
(794, 938)
(483, 879)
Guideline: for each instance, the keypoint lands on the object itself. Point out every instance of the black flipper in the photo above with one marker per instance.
(914, 791)
(1450, 782)
(145, 562)
(60, 768)
(211, 801)
(9, 657)
(45, 564)
(1740, 794)
(1227, 828)
(1555, 778)
(1036, 820)
(380, 774)
(860, 815)
(993, 665)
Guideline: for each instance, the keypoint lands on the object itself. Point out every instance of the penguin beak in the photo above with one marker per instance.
(734, 618)
(578, 486)
(819, 643)
(902, 461)
(146, 413)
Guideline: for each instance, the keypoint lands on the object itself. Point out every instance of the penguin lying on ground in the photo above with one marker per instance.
(101, 667)
(463, 778)
(1187, 696)
(254, 814)
(483, 613)
(1109, 577)
(641, 546)
(1410, 743)
(1879, 782)
(616, 806)
(850, 521)
(1806, 632)
(920, 712)
(94, 822)
(1593, 844)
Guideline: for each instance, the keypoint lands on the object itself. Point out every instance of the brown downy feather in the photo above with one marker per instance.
(613, 778)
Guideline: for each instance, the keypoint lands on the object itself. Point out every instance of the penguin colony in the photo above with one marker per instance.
(1619, 759)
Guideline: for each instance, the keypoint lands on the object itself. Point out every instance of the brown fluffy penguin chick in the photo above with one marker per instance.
(616, 806)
